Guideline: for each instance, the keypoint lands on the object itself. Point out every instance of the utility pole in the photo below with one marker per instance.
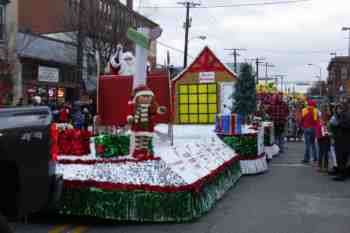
(258, 61)
(235, 55)
(347, 29)
(187, 25)
(267, 65)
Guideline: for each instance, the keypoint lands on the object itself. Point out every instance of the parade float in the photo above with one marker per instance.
(140, 171)
(140, 166)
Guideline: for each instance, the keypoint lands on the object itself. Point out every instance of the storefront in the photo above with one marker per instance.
(52, 82)
(48, 70)
(202, 90)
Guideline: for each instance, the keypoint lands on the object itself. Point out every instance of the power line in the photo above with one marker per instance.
(172, 48)
(267, 3)
(235, 55)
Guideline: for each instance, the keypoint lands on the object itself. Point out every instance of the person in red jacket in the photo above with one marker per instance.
(309, 123)
(141, 112)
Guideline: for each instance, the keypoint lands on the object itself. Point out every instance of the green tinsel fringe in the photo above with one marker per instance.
(147, 206)
(244, 145)
(115, 145)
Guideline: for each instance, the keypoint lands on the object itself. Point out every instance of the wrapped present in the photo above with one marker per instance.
(228, 124)
(74, 142)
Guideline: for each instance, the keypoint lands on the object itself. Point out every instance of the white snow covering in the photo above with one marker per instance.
(196, 152)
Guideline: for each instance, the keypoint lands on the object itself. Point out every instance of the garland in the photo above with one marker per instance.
(145, 205)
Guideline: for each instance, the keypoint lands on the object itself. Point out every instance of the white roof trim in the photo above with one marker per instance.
(194, 60)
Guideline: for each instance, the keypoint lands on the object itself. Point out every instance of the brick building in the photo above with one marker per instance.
(339, 76)
(41, 55)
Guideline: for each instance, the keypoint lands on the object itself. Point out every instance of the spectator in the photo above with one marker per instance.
(341, 138)
(78, 116)
(309, 124)
(64, 114)
(20, 102)
(278, 112)
(323, 140)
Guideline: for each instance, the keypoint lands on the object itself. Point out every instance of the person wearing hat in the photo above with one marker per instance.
(309, 123)
(141, 112)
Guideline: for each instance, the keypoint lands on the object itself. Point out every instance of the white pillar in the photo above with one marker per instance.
(141, 61)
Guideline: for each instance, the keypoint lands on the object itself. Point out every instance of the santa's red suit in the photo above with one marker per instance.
(141, 118)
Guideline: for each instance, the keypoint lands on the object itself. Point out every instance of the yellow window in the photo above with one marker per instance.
(203, 108)
(183, 99)
(193, 118)
(203, 118)
(213, 108)
(211, 118)
(193, 89)
(202, 88)
(183, 89)
(212, 88)
(183, 108)
(203, 98)
(184, 118)
(193, 108)
(193, 99)
(212, 98)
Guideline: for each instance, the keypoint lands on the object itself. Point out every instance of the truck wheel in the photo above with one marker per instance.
(4, 226)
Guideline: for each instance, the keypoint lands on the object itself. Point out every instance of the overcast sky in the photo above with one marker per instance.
(289, 36)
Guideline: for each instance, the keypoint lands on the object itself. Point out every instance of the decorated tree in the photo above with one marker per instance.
(245, 94)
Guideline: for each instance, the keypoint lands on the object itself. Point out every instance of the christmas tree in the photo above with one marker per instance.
(245, 94)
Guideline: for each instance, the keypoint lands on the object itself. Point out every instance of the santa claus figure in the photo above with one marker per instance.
(121, 63)
(142, 110)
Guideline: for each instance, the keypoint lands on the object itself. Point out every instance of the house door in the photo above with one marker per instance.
(226, 99)
(197, 103)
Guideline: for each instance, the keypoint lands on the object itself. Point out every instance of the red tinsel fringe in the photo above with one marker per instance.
(95, 161)
(194, 187)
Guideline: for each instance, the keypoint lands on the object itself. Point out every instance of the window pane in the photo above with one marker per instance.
(183, 118)
(212, 98)
(183, 99)
(193, 99)
(183, 108)
(193, 108)
(212, 118)
(183, 89)
(212, 88)
(203, 108)
(203, 118)
(193, 118)
(202, 88)
(212, 108)
(193, 89)
(203, 98)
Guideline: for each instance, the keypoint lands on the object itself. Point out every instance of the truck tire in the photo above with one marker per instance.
(4, 226)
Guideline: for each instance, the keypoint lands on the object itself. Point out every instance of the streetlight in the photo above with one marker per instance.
(347, 29)
(320, 77)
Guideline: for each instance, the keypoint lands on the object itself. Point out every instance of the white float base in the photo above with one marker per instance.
(271, 151)
(251, 167)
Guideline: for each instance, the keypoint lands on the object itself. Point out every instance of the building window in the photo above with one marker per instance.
(2, 23)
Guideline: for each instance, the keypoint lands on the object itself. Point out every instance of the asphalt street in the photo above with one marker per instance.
(289, 198)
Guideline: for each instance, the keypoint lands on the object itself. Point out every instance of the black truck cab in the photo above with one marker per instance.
(27, 172)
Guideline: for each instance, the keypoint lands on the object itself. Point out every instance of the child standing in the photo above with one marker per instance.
(323, 140)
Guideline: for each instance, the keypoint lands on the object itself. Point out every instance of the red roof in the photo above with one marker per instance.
(206, 61)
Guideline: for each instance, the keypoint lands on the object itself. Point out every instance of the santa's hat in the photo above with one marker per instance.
(142, 90)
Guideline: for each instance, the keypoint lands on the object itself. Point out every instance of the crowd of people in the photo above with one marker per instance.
(326, 131)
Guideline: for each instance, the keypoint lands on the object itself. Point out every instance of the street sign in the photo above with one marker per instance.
(139, 38)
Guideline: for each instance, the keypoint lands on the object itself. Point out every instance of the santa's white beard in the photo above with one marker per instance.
(127, 68)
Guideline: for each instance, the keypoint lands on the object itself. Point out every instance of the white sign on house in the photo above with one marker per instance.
(206, 77)
(48, 74)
